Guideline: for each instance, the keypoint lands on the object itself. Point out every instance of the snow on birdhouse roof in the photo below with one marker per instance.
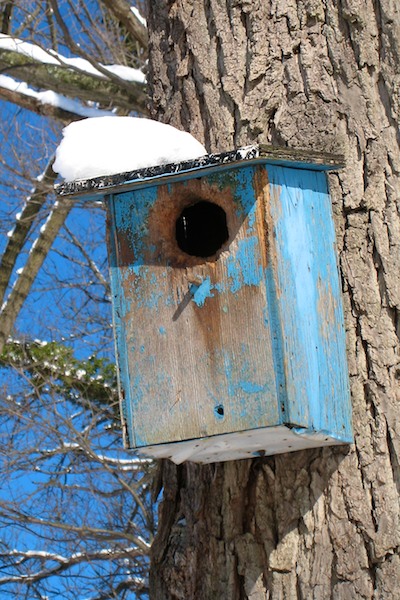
(158, 170)
(106, 146)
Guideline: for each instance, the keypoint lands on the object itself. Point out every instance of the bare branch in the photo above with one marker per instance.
(37, 255)
(92, 265)
(23, 225)
(106, 72)
(122, 11)
(84, 531)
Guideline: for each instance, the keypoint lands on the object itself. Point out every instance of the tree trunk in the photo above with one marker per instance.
(323, 75)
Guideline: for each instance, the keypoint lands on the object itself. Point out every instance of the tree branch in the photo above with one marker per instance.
(74, 83)
(62, 563)
(42, 108)
(84, 531)
(77, 77)
(6, 17)
(122, 11)
(23, 225)
(37, 255)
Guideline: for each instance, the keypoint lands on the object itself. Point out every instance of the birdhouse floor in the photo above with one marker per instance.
(243, 444)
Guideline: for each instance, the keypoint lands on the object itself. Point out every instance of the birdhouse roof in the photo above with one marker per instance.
(258, 153)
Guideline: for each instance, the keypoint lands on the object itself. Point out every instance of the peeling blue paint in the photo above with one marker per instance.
(201, 292)
(219, 287)
(250, 387)
(244, 266)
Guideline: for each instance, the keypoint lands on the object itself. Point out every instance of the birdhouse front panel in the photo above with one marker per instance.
(195, 332)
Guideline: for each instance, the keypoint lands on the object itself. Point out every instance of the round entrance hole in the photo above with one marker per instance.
(201, 229)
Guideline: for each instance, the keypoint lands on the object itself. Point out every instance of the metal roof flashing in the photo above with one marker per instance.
(160, 174)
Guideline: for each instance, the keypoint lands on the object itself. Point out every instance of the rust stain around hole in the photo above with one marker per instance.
(264, 223)
(171, 201)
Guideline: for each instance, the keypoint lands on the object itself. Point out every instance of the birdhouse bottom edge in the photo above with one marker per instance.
(265, 441)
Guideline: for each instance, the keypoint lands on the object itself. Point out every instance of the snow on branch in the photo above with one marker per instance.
(45, 80)
(38, 252)
(50, 57)
(24, 221)
(54, 564)
(47, 102)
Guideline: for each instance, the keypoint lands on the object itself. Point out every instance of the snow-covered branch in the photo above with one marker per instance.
(131, 18)
(38, 55)
(54, 564)
(46, 103)
(23, 223)
(37, 255)
(50, 83)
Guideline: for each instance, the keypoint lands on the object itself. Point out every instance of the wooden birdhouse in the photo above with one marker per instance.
(227, 305)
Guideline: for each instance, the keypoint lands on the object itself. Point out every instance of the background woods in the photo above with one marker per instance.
(75, 511)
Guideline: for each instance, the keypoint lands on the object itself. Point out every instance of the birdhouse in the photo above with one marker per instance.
(227, 305)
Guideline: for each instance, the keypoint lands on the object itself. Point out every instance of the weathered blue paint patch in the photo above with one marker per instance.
(250, 387)
(153, 299)
(219, 287)
(249, 261)
(247, 388)
(244, 267)
(234, 274)
(162, 330)
(201, 292)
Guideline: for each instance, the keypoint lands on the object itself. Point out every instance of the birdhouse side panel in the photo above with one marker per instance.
(310, 301)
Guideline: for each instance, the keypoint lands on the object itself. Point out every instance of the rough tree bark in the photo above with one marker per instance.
(320, 74)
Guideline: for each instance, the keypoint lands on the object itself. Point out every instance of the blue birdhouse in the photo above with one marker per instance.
(227, 305)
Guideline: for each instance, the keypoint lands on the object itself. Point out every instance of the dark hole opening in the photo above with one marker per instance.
(201, 229)
(219, 410)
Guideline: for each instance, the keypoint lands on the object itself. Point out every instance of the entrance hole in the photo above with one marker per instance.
(201, 229)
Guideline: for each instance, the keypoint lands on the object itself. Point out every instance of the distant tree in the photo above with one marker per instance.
(323, 75)
(76, 514)
(55, 59)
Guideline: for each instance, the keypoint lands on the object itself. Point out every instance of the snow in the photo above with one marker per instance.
(50, 98)
(138, 15)
(111, 145)
(50, 57)
(127, 73)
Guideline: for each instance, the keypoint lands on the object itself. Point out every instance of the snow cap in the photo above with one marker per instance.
(109, 145)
